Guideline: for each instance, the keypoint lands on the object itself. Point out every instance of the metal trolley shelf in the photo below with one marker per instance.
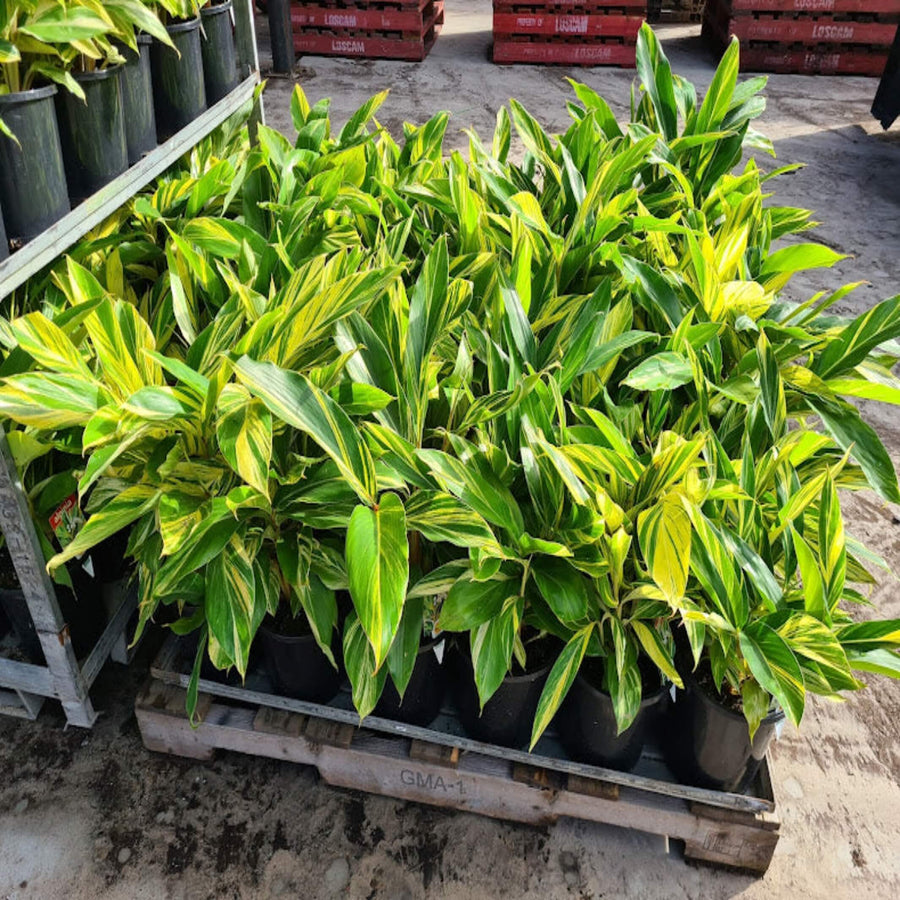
(24, 686)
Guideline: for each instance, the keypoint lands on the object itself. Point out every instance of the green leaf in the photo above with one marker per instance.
(656, 650)
(775, 667)
(755, 701)
(782, 264)
(492, 647)
(559, 681)
(859, 338)
(771, 388)
(50, 401)
(850, 433)
(562, 586)
(366, 679)
(119, 513)
(244, 435)
(477, 487)
(401, 659)
(377, 554)
(230, 602)
(662, 372)
(440, 517)
(664, 534)
(295, 400)
(471, 603)
(813, 586)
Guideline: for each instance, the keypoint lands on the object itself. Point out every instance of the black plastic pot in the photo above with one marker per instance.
(4, 243)
(179, 95)
(708, 745)
(297, 667)
(217, 47)
(508, 716)
(137, 97)
(85, 616)
(586, 724)
(33, 190)
(93, 133)
(424, 694)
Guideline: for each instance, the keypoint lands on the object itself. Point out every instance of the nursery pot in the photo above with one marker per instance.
(587, 725)
(709, 746)
(297, 666)
(217, 47)
(424, 694)
(508, 716)
(84, 614)
(137, 96)
(179, 95)
(33, 190)
(93, 133)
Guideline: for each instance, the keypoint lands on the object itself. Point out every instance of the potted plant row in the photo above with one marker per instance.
(78, 104)
(535, 427)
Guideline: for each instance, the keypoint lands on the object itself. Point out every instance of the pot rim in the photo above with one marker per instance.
(769, 719)
(144, 38)
(216, 9)
(20, 97)
(99, 74)
(287, 638)
(179, 27)
(646, 700)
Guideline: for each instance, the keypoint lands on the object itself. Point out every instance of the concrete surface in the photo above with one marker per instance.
(93, 816)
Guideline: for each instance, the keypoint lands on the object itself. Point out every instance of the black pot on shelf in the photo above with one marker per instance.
(587, 727)
(93, 133)
(82, 610)
(137, 97)
(297, 666)
(179, 94)
(217, 47)
(33, 190)
(508, 716)
(424, 694)
(709, 746)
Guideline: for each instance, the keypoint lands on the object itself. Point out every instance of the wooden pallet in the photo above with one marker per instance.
(860, 7)
(587, 25)
(571, 7)
(805, 62)
(545, 53)
(360, 18)
(439, 765)
(820, 30)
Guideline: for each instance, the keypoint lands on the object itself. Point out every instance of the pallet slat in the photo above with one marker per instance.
(394, 766)
(586, 25)
(362, 19)
(564, 54)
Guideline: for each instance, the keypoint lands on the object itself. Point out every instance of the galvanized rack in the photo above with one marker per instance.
(25, 686)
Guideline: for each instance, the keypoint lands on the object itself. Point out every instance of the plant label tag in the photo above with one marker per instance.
(779, 727)
(672, 692)
(439, 652)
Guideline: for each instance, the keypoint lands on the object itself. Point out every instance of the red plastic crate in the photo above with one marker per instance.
(568, 25)
(566, 54)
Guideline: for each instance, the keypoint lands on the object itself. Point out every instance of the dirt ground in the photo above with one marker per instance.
(91, 814)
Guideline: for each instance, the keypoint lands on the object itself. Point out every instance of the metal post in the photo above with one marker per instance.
(281, 36)
(25, 550)
(245, 37)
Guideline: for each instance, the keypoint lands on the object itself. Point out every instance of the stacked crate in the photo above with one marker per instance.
(567, 32)
(814, 37)
(384, 29)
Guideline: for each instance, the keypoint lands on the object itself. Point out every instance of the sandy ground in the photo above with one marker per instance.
(94, 815)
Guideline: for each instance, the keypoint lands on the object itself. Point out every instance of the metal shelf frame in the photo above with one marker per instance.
(25, 686)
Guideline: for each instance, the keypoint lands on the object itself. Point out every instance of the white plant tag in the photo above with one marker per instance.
(779, 727)
(439, 652)
(672, 690)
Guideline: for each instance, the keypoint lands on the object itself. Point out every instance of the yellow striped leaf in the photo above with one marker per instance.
(244, 434)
